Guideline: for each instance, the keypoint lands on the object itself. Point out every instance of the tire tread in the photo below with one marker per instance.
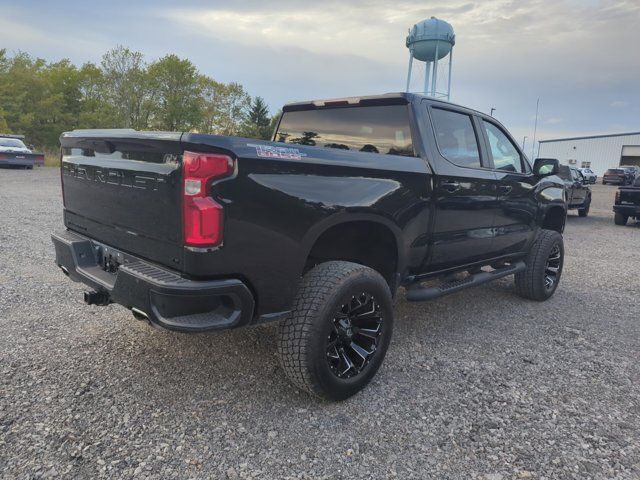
(296, 331)
(528, 282)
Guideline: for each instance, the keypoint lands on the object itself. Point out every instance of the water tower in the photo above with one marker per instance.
(429, 41)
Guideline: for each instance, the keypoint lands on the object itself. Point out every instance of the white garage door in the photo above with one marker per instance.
(631, 151)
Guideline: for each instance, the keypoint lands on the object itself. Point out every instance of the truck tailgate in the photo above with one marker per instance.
(630, 195)
(122, 188)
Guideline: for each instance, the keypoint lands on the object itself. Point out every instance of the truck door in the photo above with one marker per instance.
(515, 220)
(579, 189)
(464, 191)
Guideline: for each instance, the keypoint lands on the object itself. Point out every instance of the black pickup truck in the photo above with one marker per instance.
(578, 192)
(316, 229)
(627, 203)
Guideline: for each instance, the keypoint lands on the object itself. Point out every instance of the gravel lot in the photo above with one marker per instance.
(480, 384)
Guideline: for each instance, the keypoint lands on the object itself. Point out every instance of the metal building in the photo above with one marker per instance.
(598, 152)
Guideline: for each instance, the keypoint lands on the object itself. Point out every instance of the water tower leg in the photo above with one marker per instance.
(410, 64)
(427, 74)
(435, 71)
(449, 79)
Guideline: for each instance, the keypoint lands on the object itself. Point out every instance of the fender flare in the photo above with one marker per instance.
(317, 230)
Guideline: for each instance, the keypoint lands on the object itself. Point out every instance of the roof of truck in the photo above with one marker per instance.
(393, 98)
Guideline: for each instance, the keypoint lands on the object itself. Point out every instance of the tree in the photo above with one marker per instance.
(225, 107)
(95, 110)
(126, 87)
(273, 123)
(24, 94)
(257, 121)
(211, 93)
(4, 126)
(175, 86)
(41, 100)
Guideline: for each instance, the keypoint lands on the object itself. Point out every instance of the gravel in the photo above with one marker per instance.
(479, 384)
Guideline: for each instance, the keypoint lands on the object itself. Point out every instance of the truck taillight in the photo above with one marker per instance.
(202, 217)
(617, 201)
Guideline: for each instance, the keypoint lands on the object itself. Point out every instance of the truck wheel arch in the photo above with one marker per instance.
(554, 218)
(365, 239)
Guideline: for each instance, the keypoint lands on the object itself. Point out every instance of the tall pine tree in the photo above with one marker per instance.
(257, 123)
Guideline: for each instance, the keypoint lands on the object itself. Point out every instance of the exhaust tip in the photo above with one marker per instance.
(139, 315)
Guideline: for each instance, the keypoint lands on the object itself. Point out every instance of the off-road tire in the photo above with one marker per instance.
(620, 219)
(302, 336)
(530, 283)
(584, 211)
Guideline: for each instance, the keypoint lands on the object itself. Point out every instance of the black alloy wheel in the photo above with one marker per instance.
(552, 268)
(335, 338)
(544, 263)
(353, 340)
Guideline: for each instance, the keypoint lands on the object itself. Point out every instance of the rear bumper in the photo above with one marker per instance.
(165, 298)
(618, 180)
(628, 210)
(17, 161)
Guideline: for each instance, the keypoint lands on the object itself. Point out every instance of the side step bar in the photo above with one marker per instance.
(421, 294)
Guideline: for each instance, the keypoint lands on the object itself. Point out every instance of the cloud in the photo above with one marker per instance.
(30, 35)
(565, 52)
(619, 104)
(553, 121)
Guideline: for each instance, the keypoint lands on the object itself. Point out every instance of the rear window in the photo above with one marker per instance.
(377, 129)
(615, 170)
(11, 142)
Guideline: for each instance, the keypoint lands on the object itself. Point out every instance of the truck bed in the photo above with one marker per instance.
(124, 189)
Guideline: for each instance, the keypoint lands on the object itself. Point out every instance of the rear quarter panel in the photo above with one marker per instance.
(283, 197)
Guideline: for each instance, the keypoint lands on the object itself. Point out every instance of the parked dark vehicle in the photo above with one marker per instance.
(627, 203)
(632, 172)
(577, 190)
(317, 229)
(14, 153)
(616, 176)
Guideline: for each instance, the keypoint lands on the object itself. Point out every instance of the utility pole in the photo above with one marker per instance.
(535, 129)
(524, 140)
(492, 110)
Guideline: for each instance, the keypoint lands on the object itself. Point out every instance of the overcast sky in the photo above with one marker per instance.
(582, 58)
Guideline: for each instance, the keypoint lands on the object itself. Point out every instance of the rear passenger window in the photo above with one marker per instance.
(456, 137)
(505, 154)
(375, 129)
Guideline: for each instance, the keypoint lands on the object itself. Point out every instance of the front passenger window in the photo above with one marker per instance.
(505, 154)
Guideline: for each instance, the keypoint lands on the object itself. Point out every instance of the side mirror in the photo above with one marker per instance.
(546, 166)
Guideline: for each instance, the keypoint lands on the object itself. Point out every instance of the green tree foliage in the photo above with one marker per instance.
(257, 121)
(224, 107)
(125, 87)
(41, 100)
(175, 88)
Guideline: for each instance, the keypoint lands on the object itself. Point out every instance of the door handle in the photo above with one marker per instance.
(505, 189)
(450, 185)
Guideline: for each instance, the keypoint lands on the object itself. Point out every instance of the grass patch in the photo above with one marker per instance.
(51, 157)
